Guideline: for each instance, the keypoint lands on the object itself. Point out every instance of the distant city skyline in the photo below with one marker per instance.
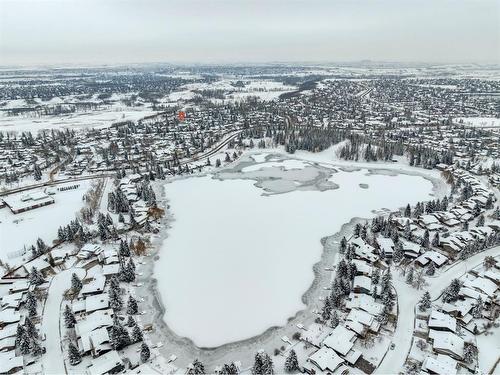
(62, 32)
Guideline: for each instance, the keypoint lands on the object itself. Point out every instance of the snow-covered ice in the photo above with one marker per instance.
(236, 263)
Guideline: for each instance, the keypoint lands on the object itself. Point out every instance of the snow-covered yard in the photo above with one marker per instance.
(23, 229)
(78, 120)
(236, 262)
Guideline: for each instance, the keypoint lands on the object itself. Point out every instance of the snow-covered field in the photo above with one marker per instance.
(79, 120)
(23, 229)
(236, 262)
(479, 122)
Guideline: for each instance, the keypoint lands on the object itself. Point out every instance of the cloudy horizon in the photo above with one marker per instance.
(69, 32)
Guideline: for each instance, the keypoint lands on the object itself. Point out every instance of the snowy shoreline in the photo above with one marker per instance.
(186, 350)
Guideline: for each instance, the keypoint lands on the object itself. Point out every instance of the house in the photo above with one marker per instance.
(96, 302)
(442, 322)
(362, 284)
(386, 245)
(341, 340)
(432, 256)
(95, 286)
(98, 319)
(364, 302)
(483, 285)
(9, 316)
(109, 270)
(315, 334)
(97, 342)
(326, 359)
(363, 250)
(8, 344)
(106, 364)
(410, 249)
(89, 250)
(364, 318)
(447, 343)
(9, 363)
(363, 268)
(441, 365)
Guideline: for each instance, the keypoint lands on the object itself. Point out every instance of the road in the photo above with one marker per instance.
(53, 359)
(408, 298)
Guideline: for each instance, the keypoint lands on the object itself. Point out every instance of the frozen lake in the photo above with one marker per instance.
(236, 262)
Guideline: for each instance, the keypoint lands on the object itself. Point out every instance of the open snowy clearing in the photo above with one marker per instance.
(78, 120)
(479, 122)
(23, 229)
(237, 262)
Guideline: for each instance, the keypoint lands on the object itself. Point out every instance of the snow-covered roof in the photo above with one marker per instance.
(441, 365)
(105, 363)
(98, 319)
(364, 302)
(95, 286)
(326, 359)
(484, 285)
(9, 315)
(341, 340)
(315, 334)
(437, 258)
(362, 282)
(440, 320)
(9, 362)
(447, 342)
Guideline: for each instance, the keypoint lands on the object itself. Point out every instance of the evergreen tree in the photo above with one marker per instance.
(31, 304)
(327, 307)
(19, 335)
(480, 221)
(229, 369)
(431, 269)
(410, 276)
(435, 240)
(263, 364)
(343, 245)
(69, 317)
(24, 343)
(425, 239)
(124, 249)
(36, 277)
(425, 302)
(136, 333)
(334, 322)
(36, 348)
(119, 335)
(132, 306)
(74, 355)
(470, 353)
(196, 367)
(450, 294)
(477, 309)
(76, 283)
(115, 298)
(30, 329)
(291, 362)
(398, 254)
(407, 211)
(145, 354)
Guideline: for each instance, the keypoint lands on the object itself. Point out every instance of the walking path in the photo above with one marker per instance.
(53, 359)
(408, 297)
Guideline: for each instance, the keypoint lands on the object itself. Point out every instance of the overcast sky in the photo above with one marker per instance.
(205, 31)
